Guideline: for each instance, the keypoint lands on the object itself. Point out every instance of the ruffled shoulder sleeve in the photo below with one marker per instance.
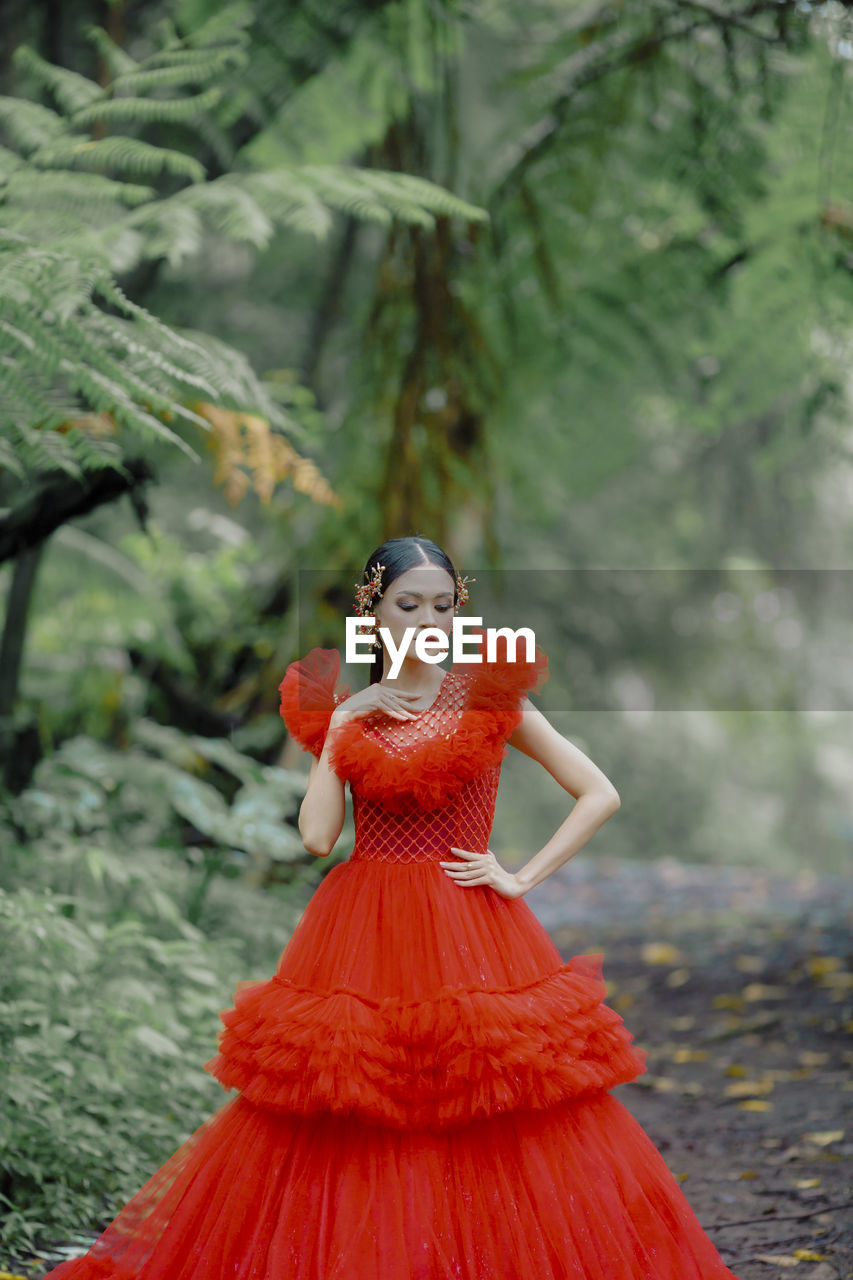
(499, 685)
(308, 697)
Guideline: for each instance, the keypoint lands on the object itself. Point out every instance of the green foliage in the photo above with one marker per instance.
(395, 57)
(122, 941)
(74, 218)
(156, 797)
(103, 1029)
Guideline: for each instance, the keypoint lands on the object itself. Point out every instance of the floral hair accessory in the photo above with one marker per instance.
(364, 594)
(461, 589)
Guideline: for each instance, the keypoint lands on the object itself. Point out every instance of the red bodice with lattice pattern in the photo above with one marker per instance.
(465, 820)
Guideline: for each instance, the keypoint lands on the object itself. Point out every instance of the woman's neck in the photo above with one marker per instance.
(414, 678)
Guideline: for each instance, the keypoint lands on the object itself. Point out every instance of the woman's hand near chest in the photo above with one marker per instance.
(375, 698)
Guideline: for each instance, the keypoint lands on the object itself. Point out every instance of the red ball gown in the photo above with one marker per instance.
(423, 1085)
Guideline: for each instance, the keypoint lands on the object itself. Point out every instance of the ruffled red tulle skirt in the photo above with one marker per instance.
(423, 1094)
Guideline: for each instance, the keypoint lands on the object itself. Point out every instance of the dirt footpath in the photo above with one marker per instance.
(739, 987)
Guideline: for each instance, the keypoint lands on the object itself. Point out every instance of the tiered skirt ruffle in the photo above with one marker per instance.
(578, 1192)
(510, 1026)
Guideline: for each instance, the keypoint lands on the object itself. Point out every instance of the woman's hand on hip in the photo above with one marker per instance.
(482, 868)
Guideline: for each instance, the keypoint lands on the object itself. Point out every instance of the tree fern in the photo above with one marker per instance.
(74, 350)
(142, 111)
(29, 125)
(71, 91)
(117, 60)
(115, 155)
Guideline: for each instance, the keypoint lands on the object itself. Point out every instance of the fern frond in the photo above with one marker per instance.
(211, 132)
(224, 25)
(343, 189)
(301, 196)
(186, 71)
(28, 124)
(193, 355)
(30, 187)
(117, 155)
(71, 90)
(118, 60)
(49, 448)
(22, 398)
(173, 230)
(148, 110)
(238, 383)
(107, 395)
(143, 354)
(402, 189)
(229, 209)
(40, 226)
(290, 200)
(9, 460)
(187, 56)
(10, 162)
(48, 282)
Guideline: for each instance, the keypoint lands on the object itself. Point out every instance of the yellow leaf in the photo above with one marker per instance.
(678, 977)
(683, 1023)
(746, 1088)
(817, 966)
(803, 1184)
(728, 1001)
(809, 1058)
(735, 1069)
(780, 1259)
(748, 1173)
(808, 1255)
(761, 991)
(660, 953)
(755, 1104)
(690, 1055)
(823, 1137)
(664, 1084)
(248, 453)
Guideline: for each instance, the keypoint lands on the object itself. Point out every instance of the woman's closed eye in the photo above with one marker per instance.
(441, 608)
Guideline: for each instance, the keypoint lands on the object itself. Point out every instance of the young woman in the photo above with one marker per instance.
(424, 1084)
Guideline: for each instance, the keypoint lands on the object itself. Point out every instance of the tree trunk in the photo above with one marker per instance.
(11, 655)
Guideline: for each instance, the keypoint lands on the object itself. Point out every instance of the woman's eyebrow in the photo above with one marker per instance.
(438, 595)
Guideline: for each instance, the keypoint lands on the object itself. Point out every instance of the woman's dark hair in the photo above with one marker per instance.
(399, 555)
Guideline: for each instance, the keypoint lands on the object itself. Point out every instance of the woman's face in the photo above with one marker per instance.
(421, 598)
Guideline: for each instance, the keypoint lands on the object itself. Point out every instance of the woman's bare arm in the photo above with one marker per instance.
(596, 797)
(323, 808)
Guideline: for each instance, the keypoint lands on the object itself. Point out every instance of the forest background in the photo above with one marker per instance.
(566, 287)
